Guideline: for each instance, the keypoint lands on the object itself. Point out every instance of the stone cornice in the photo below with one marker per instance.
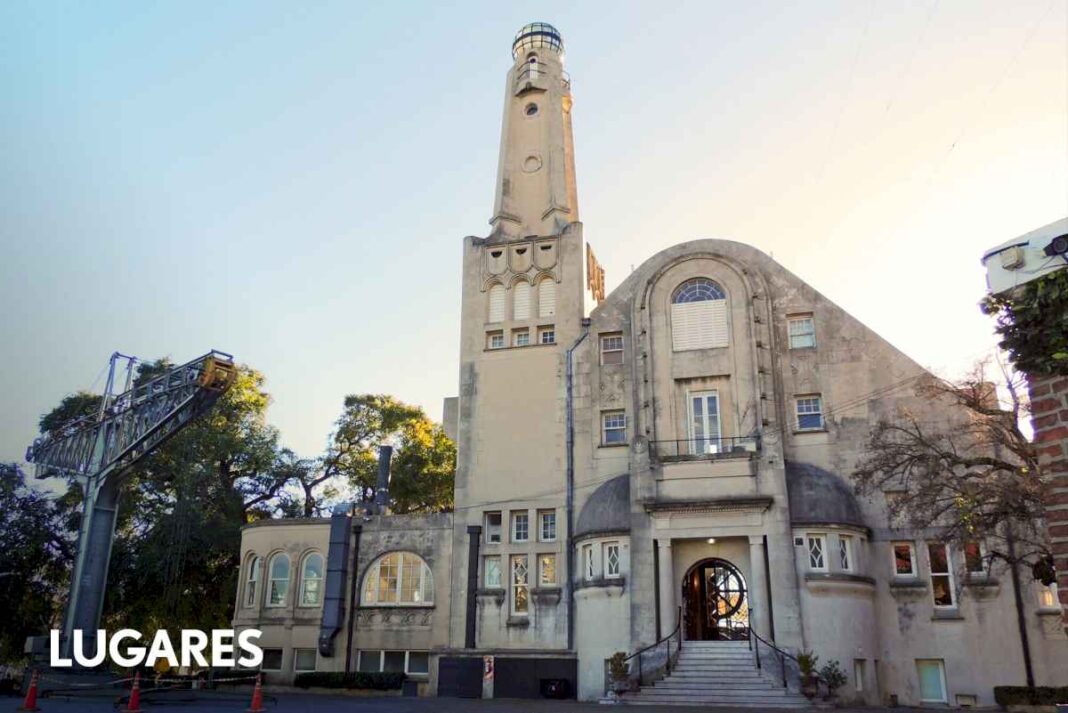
(748, 503)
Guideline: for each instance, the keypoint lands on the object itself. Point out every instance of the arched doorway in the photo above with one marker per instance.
(715, 602)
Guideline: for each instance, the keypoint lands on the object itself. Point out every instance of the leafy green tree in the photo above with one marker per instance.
(1032, 321)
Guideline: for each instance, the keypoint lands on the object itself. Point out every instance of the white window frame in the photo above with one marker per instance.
(517, 516)
(547, 335)
(818, 398)
(304, 579)
(845, 553)
(490, 530)
(821, 538)
(609, 346)
(614, 428)
(797, 332)
(406, 563)
(606, 551)
(859, 674)
(283, 582)
(542, 581)
(520, 337)
(515, 585)
(381, 655)
(495, 340)
(912, 559)
(486, 581)
(948, 574)
(315, 659)
(589, 567)
(255, 569)
(983, 569)
(546, 517)
(942, 674)
(707, 442)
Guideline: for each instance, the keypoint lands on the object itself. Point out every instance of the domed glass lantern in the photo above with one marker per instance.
(537, 36)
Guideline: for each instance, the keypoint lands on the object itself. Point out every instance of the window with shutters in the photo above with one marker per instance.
(546, 297)
(496, 304)
(698, 315)
(521, 300)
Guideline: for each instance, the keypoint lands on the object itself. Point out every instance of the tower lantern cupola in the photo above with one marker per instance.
(536, 193)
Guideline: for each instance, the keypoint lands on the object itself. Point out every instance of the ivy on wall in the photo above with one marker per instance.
(1033, 324)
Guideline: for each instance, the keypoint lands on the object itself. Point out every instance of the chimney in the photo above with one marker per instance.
(385, 453)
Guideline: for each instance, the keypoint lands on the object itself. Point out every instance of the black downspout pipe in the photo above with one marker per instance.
(1021, 618)
(570, 554)
(356, 531)
(474, 536)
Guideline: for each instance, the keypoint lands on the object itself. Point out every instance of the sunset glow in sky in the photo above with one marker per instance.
(292, 183)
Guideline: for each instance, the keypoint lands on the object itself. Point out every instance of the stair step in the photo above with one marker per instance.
(799, 705)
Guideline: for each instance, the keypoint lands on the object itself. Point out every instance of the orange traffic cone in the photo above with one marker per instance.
(257, 696)
(30, 704)
(134, 704)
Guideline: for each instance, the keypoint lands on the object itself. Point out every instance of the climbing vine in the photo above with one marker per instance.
(1032, 322)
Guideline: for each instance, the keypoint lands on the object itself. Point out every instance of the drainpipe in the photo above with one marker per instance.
(356, 531)
(569, 555)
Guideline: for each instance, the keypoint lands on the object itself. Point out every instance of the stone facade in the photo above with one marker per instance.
(628, 459)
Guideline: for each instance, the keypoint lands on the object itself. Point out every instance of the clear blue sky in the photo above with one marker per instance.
(291, 183)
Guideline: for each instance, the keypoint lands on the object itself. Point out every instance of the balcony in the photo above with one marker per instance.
(538, 77)
(697, 449)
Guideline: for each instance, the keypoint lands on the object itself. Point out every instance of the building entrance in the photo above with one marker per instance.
(715, 604)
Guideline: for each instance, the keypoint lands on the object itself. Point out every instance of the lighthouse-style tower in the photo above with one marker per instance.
(525, 297)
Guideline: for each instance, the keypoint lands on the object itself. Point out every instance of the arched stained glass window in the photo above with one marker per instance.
(399, 578)
(311, 581)
(699, 289)
(278, 588)
(699, 315)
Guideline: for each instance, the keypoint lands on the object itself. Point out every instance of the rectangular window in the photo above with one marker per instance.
(493, 528)
(272, 660)
(491, 572)
(546, 335)
(303, 660)
(520, 585)
(370, 662)
(393, 661)
(941, 574)
(611, 559)
(418, 662)
(613, 427)
(904, 559)
(932, 675)
(802, 331)
(520, 526)
(845, 553)
(546, 570)
(809, 413)
(520, 337)
(974, 561)
(587, 562)
(547, 525)
(495, 340)
(858, 674)
(704, 422)
(611, 348)
(816, 550)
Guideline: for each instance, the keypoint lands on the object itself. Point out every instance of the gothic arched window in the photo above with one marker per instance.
(278, 584)
(496, 303)
(698, 315)
(521, 300)
(252, 579)
(547, 297)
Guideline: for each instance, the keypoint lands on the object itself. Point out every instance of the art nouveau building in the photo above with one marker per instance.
(673, 453)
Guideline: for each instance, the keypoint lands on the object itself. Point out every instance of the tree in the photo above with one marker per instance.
(423, 467)
(36, 549)
(1033, 323)
(974, 477)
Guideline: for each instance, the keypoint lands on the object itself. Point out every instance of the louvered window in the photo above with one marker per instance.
(546, 297)
(521, 300)
(496, 303)
(698, 315)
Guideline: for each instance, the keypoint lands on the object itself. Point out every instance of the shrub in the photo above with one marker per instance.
(338, 679)
(806, 661)
(618, 668)
(833, 676)
(1024, 696)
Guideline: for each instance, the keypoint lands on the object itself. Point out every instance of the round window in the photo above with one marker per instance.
(531, 109)
(531, 164)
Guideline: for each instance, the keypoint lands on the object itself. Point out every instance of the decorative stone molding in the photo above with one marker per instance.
(909, 588)
(755, 503)
(546, 595)
(394, 617)
(486, 595)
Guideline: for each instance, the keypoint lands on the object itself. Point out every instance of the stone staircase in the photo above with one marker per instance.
(718, 673)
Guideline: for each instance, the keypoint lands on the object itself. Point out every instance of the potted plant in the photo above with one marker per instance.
(810, 680)
(618, 676)
(833, 677)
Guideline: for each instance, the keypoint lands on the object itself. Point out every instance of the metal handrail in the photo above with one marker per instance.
(710, 447)
(675, 632)
(783, 655)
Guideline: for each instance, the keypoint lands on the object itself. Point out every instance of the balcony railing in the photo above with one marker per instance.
(706, 448)
(531, 73)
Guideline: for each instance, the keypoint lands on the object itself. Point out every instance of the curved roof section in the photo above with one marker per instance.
(607, 509)
(820, 497)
